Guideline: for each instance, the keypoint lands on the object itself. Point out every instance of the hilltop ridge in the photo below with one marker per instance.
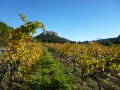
(52, 37)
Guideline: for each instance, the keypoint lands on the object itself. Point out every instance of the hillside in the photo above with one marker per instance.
(106, 42)
(52, 37)
(3, 32)
(109, 41)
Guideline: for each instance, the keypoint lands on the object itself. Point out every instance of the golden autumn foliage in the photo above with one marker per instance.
(22, 47)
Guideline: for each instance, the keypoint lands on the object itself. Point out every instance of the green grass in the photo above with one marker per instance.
(49, 75)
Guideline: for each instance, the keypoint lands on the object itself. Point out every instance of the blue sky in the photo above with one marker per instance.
(77, 20)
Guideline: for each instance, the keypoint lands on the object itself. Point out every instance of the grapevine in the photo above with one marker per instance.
(93, 58)
(22, 50)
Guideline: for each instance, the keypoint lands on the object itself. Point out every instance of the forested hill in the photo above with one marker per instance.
(3, 32)
(52, 37)
(108, 41)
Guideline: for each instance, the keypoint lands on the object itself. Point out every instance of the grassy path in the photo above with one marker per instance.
(49, 75)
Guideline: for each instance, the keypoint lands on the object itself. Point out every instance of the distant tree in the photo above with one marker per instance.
(73, 42)
(86, 42)
(79, 42)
